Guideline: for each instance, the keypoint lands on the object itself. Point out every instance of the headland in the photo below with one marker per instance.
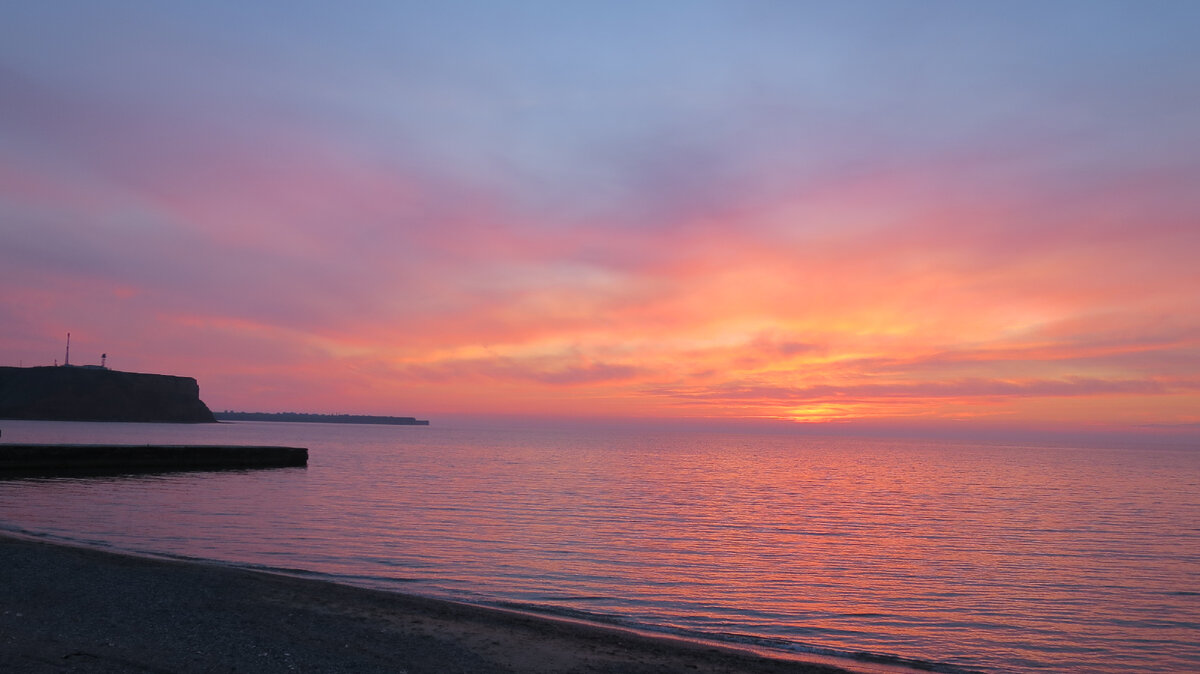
(94, 393)
(310, 418)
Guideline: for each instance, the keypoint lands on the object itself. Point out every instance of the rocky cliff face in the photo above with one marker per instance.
(94, 394)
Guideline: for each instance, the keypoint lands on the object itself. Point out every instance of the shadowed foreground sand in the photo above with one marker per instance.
(68, 609)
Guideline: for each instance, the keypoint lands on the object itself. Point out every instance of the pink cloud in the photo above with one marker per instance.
(265, 257)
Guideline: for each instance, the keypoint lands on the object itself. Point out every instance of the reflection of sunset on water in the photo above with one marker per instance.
(1002, 557)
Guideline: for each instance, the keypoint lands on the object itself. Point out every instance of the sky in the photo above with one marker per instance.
(901, 212)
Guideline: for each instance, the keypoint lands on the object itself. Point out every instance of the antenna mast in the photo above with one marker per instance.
(68, 359)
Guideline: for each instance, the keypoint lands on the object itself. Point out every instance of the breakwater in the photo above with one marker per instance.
(38, 458)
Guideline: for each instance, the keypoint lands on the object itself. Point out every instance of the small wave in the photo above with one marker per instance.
(770, 646)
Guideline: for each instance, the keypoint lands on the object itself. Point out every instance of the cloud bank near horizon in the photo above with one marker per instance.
(889, 211)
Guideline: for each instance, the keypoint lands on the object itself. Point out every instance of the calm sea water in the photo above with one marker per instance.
(994, 558)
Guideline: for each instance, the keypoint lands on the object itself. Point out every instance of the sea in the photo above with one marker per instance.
(922, 554)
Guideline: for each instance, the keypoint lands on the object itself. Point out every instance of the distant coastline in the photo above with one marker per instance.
(320, 418)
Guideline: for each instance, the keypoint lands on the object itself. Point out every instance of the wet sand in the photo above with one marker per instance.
(71, 609)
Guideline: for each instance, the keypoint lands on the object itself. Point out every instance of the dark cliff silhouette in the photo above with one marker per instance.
(96, 394)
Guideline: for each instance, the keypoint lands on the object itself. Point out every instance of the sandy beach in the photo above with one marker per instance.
(72, 609)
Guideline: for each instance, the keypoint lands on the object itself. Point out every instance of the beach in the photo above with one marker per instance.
(75, 609)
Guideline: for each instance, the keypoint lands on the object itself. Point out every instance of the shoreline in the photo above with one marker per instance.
(79, 609)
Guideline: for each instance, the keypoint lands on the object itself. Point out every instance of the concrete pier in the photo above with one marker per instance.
(55, 459)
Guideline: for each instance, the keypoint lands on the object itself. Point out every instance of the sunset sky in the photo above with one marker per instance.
(876, 212)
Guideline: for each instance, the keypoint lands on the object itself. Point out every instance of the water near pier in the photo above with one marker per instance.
(1000, 558)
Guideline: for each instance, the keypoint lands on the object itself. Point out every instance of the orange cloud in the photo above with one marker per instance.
(286, 271)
